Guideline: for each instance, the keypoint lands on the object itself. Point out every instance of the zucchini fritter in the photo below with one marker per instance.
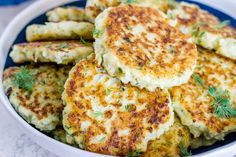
(59, 31)
(206, 29)
(147, 52)
(60, 52)
(105, 116)
(35, 93)
(168, 144)
(207, 103)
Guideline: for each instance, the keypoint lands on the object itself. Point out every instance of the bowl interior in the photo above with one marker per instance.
(42, 18)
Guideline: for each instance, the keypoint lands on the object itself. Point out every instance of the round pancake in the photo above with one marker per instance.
(105, 116)
(42, 106)
(147, 52)
(168, 143)
(196, 106)
(206, 29)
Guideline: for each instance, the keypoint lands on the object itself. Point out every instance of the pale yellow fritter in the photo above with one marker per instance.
(105, 116)
(168, 144)
(42, 106)
(206, 29)
(193, 102)
(66, 14)
(147, 52)
(60, 52)
(59, 31)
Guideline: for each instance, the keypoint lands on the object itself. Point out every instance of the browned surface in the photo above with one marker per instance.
(218, 72)
(169, 49)
(77, 90)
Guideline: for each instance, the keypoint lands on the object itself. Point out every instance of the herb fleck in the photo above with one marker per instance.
(103, 139)
(63, 45)
(97, 114)
(127, 107)
(97, 33)
(198, 79)
(222, 24)
(83, 41)
(120, 70)
(133, 154)
(23, 79)
(184, 150)
(171, 49)
(129, 27)
(129, 1)
(108, 91)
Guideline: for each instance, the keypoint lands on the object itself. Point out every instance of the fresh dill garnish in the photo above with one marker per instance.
(196, 30)
(127, 107)
(222, 24)
(23, 79)
(63, 45)
(97, 33)
(133, 154)
(221, 103)
(184, 150)
(198, 79)
(129, 1)
(97, 114)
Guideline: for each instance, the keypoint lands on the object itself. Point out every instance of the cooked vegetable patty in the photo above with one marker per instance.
(147, 52)
(206, 29)
(105, 116)
(35, 93)
(59, 31)
(207, 103)
(60, 52)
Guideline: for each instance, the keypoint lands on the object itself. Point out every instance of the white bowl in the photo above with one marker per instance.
(6, 41)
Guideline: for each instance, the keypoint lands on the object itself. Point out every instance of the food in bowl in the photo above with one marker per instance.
(102, 113)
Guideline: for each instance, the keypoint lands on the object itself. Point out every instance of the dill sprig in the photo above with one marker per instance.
(133, 154)
(23, 79)
(184, 150)
(221, 103)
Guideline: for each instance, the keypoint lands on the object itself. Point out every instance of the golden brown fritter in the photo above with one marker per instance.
(108, 117)
(168, 144)
(60, 52)
(212, 86)
(205, 28)
(147, 52)
(42, 106)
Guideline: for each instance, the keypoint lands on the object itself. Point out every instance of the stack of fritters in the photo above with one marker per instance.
(151, 58)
